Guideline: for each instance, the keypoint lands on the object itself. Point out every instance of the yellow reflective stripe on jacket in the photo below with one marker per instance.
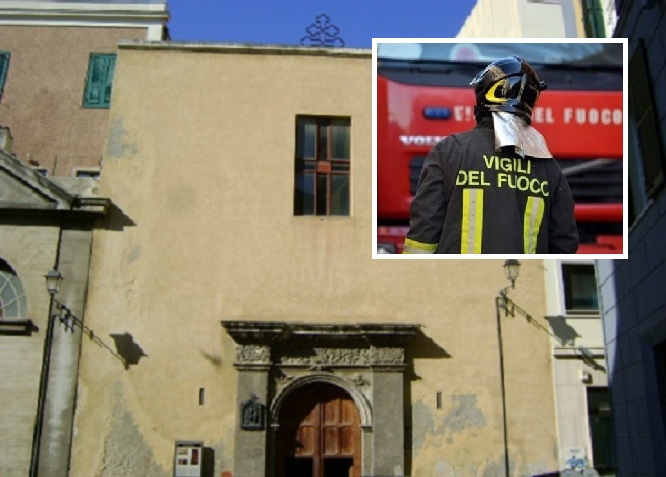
(472, 221)
(532, 223)
(412, 246)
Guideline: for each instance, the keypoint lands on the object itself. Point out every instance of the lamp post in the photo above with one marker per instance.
(511, 271)
(53, 281)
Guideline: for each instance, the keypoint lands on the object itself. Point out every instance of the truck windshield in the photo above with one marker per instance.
(572, 54)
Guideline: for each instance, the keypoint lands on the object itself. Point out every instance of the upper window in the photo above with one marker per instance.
(13, 303)
(42, 171)
(638, 194)
(93, 173)
(322, 166)
(593, 15)
(580, 289)
(100, 79)
(4, 65)
(648, 150)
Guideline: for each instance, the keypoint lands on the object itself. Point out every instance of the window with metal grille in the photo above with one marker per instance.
(4, 65)
(322, 166)
(100, 79)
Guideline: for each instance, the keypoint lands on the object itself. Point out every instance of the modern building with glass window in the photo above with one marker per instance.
(632, 291)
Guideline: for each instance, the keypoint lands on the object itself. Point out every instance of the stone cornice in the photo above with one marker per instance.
(245, 48)
(43, 193)
(319, 346)
(55, 196)
(95, 14)
(264, 332)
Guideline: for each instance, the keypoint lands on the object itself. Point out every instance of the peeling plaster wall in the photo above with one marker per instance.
(199, 165)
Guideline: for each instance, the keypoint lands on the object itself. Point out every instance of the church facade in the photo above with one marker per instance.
(258, 336)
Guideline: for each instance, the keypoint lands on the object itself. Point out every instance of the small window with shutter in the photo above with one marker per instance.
(100, 79)
(4, 65)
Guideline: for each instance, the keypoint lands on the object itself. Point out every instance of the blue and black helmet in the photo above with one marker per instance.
(509, 84)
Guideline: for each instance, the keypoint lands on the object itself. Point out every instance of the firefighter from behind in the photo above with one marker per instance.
(495, 188)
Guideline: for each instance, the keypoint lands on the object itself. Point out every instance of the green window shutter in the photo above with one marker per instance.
(4, 64)
(100, 79)
(594, 19)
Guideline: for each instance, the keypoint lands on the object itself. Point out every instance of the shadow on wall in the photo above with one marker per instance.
(564, 332)
(127, 349)
(70, 321)
(116, 219)
(421, 346)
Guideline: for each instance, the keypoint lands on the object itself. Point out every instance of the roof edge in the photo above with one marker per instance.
(244, 48)
(36, 12)
(35, 181)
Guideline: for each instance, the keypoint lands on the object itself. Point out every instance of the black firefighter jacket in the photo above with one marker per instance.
(473, 199)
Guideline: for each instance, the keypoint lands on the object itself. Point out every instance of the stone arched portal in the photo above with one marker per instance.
(349, 386)
(363, 365)
(318, 433)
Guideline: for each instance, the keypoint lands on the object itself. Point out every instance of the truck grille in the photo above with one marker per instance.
(415, 166)
(594, 181)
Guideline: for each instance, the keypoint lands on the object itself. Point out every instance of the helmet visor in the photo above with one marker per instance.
(507, 88)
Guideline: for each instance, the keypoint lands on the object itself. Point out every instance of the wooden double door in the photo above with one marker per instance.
(319, 434)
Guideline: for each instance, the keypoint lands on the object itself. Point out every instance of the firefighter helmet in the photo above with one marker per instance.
(509, 84)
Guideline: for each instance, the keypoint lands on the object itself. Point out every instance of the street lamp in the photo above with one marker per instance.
(511, 271)
(53, 281)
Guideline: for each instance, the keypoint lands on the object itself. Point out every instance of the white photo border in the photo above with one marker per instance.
(625, 169)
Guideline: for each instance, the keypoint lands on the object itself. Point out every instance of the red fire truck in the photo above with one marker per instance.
(423, 95)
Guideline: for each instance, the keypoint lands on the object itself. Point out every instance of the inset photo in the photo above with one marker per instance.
(499, 150)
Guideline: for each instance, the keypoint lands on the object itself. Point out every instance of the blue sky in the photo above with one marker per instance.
(285, 21)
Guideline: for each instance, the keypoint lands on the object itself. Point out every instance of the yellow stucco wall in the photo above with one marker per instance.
(199, 163)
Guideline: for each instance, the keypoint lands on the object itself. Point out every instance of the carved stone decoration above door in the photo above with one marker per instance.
(300, 344)
(278, 360)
